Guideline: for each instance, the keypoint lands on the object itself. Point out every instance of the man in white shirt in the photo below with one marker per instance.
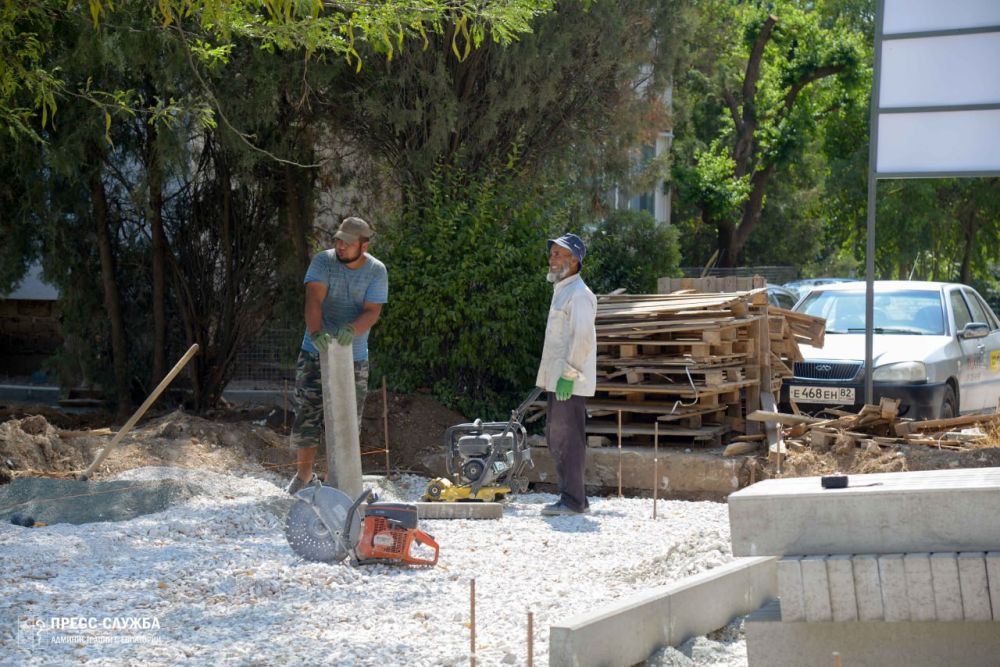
(568, 371)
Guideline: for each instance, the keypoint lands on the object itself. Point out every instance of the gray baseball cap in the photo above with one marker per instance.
(352, 229)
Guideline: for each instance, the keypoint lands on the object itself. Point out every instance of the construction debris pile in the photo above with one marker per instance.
(691, 365)
(880, 426)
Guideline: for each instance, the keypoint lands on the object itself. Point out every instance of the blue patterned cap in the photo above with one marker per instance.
(573, 243)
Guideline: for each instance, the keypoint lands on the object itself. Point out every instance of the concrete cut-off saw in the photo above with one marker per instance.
(325, 526)
(486, 461)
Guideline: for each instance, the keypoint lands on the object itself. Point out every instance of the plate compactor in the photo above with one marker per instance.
(324, 525)
(486, 461)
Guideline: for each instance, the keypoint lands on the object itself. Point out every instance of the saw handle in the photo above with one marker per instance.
(422, 538)
(346, 532)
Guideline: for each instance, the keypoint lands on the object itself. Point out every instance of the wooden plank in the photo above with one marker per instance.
(703, 433)
(783, 418)
(710, 376)
(888, 408)
(674, 363)
(693, 326)
(903, 428)
(674, 389)
(693, 411)
(741, 448)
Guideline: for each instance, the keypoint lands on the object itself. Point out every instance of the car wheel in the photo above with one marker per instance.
(949, 404)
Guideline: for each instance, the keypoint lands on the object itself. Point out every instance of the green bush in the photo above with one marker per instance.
(467, 291)
(629, 249)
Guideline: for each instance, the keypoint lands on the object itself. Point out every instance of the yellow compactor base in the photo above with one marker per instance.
(442, 490)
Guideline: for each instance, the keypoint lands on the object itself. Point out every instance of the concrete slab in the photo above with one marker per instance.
(975, 586)
(892, 512)
(892, 575)
(340, 415)
(459, 510)
(919, 587)
(816, 589)
(993, 575)
(790, 590)
(867, 587)
(771, 643)
(843, 599)
(628, 631)
(698, 474)
(947, 587)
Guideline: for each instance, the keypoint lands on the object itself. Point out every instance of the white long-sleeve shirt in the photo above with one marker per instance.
(570, 348)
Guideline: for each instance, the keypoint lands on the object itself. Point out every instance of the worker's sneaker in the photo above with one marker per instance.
(297, 484)
(559, 509)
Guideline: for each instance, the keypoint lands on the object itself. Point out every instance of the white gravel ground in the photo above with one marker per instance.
(213, 581)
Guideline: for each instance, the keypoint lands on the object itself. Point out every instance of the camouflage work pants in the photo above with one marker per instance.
(307, 429)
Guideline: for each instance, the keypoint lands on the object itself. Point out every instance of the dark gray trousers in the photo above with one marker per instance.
(566, 435)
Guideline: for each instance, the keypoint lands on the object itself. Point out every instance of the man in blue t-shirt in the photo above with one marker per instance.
(345, 290)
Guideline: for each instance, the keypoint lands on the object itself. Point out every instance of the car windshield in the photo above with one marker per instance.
(916, 312)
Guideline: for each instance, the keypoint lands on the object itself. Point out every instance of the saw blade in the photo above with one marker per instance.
(315, 527)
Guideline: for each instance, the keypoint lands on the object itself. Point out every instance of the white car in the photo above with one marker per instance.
(936, 347)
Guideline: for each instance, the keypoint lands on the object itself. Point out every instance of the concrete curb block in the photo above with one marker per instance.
(459, 510)
(630, 630)
(774, 643)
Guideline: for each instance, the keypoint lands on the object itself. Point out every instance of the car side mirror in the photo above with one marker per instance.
(975, 330)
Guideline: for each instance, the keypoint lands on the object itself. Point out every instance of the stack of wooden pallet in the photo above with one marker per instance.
(678, 365)
(688, 366)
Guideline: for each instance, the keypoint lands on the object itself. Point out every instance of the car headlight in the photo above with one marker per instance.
(905, 371)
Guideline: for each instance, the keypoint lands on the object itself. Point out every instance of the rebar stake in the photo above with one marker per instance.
(656, 463)
(531, 639)
(619, 453)
(472, 622)
(385, 423)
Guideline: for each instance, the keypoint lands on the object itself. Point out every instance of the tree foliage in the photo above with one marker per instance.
(468, 296)
(31, 90)
(629, 250)
(759, 80)
(584, 86)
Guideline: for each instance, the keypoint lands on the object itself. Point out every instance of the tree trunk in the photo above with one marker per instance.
(298, 212)
(158, 261)
(728, 253)
(752, 210)
(112, 297)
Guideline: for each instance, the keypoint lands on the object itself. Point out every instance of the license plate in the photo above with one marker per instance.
(833, 395)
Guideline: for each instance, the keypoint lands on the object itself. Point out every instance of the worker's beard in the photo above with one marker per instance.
(348, 260)
(556, 276)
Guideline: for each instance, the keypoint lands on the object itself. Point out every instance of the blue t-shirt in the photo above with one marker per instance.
(347, 292)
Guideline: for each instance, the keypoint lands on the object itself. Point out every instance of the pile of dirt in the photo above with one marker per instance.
(32, 445)
(417, 424)
(871, 458)
(44, 441)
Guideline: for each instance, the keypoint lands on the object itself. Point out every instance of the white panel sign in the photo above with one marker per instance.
(941, 141)
(937, 71)
(903, 16)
